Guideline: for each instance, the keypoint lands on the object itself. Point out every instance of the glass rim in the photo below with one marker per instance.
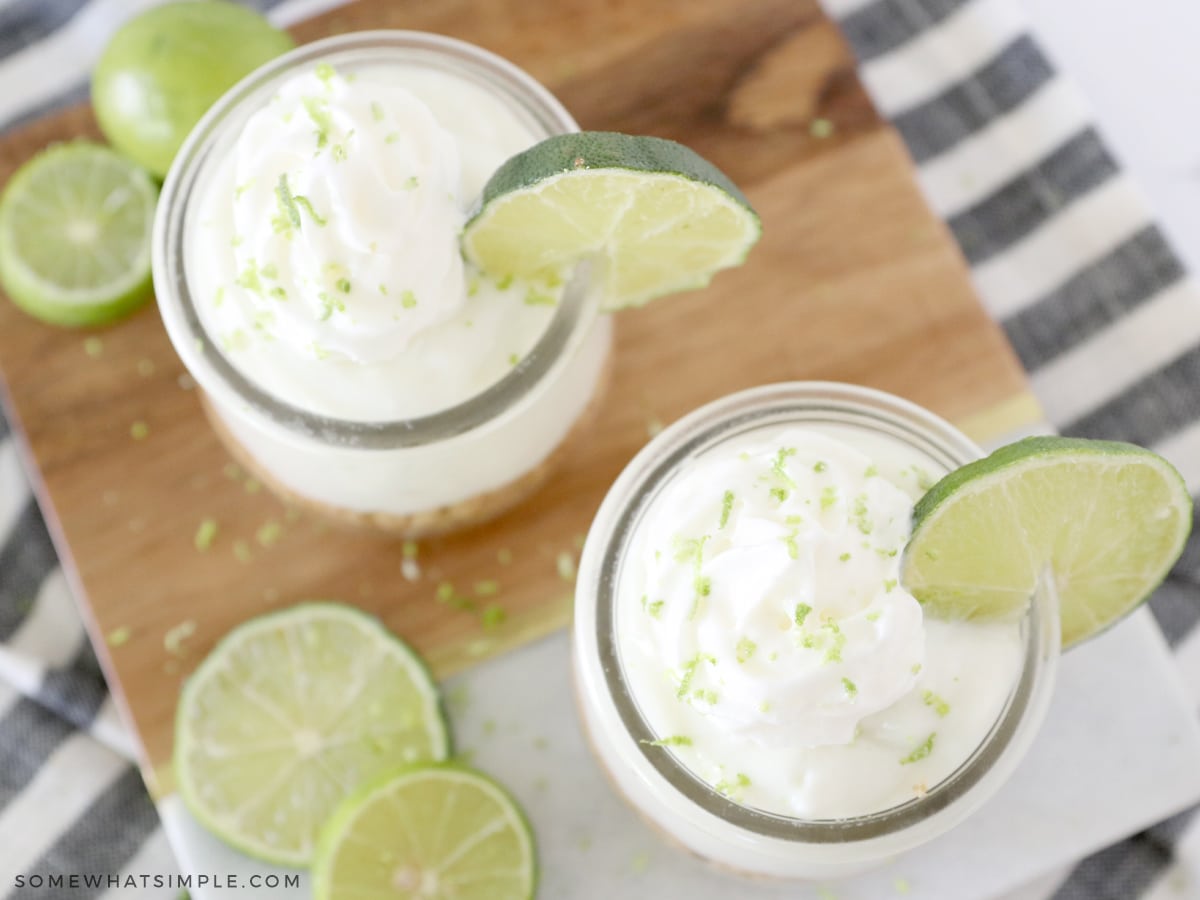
(213, 370)
(703, 429)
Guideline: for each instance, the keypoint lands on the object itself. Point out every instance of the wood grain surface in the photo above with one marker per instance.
(854, 280)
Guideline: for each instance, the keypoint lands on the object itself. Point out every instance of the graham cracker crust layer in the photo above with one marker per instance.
(427, 523)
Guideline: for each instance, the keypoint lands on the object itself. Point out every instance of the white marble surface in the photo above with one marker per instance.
(1088, 780)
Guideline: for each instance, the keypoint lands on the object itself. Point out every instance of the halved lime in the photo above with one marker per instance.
(292, 712)
(427, 833)
(661, 217)
(1107, 519)
(75, 226)
(163, 69)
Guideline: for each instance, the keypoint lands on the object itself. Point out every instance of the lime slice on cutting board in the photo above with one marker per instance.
(662, 218)
(1107, 519)
(291, 712)
(75, 225)
(427, 833)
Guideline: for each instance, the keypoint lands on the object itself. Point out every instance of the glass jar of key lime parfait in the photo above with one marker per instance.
(387, 258)
(815, 629)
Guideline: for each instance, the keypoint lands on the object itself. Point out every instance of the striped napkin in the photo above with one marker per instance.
(1064, 253)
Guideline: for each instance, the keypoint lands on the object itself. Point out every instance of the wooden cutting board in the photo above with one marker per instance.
(854, 280)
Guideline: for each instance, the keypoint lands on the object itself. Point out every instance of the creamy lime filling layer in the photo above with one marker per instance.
(325, 259)
(770, 644)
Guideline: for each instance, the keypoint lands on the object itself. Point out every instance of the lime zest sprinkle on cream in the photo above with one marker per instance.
(175, 636)
(829, 497)
(726, 508)
(408, 299)
(412, 183)
(392, 138)
(745, 649)
(655, 608)
(779, 466)
(304, 203)
(851, 688)
(675, 740)
(376, 111)
(689, 673)
(845, 557)
(249, 278)
(921, 751)
(289, 214)
(325, 72)
(889, 585)
(779, 493)
(504, 282)
(820, 467)
(206, 533)
(936, 703)
(873, 616)
(119, 636)
(793, 548)
(726, 788)
(314, 106)
(834, 653)
(916, 668)
(802, 611)
(219, 296)
(343, 285)
(872, 471)
(139, 431)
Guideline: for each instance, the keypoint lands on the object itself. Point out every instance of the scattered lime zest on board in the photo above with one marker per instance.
(1107, 520)
(84, 203)
(662, 218)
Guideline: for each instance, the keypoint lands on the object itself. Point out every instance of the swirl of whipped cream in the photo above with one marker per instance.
(346, 218)
(771, 589)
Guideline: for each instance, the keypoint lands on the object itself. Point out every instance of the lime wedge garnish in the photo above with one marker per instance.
(1106, 519)
(292, 712)
(661, 217)
(75, 227)
(427, 833)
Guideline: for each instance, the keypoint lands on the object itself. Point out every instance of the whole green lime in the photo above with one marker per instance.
(163, 69)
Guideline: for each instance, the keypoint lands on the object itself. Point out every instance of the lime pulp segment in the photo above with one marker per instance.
(292, 712)
(441, 832)
(75, 226)
(662, 218)
(1107, 519)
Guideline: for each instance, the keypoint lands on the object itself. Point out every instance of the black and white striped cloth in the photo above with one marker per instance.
(1065, 255)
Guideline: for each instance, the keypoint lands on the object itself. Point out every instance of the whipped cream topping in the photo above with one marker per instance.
(346, 214)
(773, 589)
(769, 644)
(323, 252)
